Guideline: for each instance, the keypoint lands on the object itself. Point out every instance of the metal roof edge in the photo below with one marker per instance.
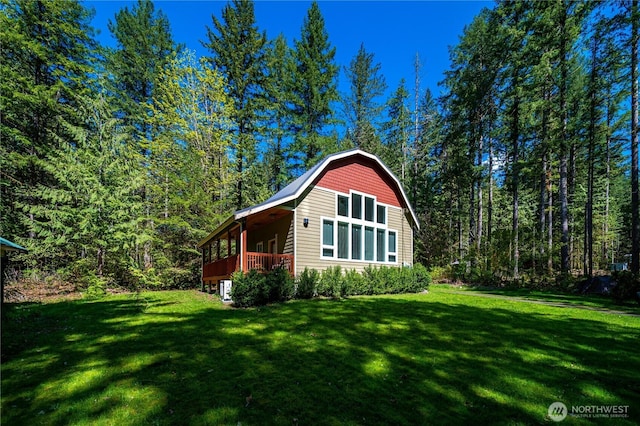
(223, 225)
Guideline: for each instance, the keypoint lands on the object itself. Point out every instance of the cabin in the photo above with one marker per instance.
(348, 210)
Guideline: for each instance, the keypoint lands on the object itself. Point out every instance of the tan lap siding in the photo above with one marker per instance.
(397, 221)
(316, 204)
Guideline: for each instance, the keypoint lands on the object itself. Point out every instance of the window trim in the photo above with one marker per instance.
(389, 252)
(324, 246)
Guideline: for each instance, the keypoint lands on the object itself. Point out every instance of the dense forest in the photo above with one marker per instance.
(116, 161)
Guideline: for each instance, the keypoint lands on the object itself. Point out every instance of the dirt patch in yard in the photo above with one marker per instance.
(40, 292)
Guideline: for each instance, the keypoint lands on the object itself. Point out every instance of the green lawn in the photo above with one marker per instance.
(437, 358)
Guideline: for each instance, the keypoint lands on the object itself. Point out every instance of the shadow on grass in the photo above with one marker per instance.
(386, 360)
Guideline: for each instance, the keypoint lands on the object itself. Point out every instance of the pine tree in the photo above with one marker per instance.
(280, 69)
(47, 56)
(360, 106)
(313, 91)
(396, 130)
(634, 40)
(85, 219)
(144, 47)
(239, 53)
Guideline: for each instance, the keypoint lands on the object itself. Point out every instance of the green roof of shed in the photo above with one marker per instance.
(6, 245)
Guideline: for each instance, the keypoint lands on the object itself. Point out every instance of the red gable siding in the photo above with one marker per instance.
(362, 175)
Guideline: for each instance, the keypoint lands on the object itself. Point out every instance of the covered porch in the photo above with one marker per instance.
(262, 241)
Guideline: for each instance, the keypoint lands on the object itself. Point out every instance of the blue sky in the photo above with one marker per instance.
(394, 31)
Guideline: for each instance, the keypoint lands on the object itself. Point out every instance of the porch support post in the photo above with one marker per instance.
(243, 248)
(228, 243)
(202, 269)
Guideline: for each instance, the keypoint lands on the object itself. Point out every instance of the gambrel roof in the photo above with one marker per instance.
(296, 188)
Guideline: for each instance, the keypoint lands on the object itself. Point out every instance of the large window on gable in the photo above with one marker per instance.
(356, 242)
(359, 231)
(380, 245)
(356, 206)
(368, 243)
(382, 214)
(343, 240)
(327, 238)
(393, 250)
(343, 206)
(369, 206)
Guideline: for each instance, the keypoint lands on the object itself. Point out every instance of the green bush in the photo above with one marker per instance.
(94, 287)
(307, 284)
(388, 280)
(331, 282)
(249, 289)
(279, 284)
(421, 278)
(353, 284)
(627, 287)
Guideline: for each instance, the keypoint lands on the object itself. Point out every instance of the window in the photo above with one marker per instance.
(343, 206)
(392, 247)
(260, 247)
(327, 238)
(382, 210)
(356, 242)
(369, 204)
(343, 240)
(380, 245)
(356, 206)
(368, 243)
(347, 236)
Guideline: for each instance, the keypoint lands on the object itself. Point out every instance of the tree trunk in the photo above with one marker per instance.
(480, 218)
(564, 190)
(490, 206)
(515, 182)
(543, 204)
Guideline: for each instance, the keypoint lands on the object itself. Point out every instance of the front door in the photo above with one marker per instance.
(273, 249)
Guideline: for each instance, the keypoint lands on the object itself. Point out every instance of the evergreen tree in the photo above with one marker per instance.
(144, 47)
(360, 106)
(396, 130)
(280, 69)
(47, 57)
(239, 52)
(313, 91)
(634, 40)
(85, 219)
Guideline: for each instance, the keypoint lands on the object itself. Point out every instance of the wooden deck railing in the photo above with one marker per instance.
(266, 261)
(263, 262)
(221, 268)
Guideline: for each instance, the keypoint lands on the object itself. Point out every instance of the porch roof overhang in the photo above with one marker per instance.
(251, 222)
(221, 229)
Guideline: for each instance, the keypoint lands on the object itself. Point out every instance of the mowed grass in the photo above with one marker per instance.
(437, 358)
